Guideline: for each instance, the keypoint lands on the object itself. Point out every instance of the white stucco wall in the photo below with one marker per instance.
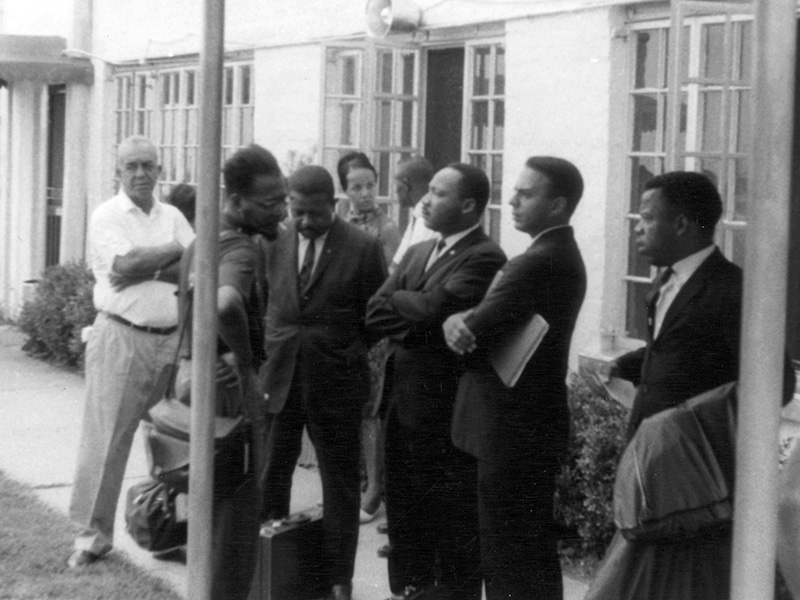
(557, 103)
(155, 28)
(288, 92)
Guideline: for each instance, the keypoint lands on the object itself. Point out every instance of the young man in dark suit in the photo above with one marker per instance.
(695, 306)
(430, 494)
(694, 312)
(519, 434)
(321, 271)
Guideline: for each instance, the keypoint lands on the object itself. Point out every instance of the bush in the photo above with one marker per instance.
(585, 487)
(61, 307)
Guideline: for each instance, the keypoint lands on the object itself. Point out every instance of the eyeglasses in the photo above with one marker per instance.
(272, 203)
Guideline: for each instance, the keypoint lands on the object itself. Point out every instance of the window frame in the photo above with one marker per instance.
(667, 153)
(493, 215)
(367, 96)
(172, 123)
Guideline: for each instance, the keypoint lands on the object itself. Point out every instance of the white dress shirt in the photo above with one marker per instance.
(681, 272)
(302, 247)
(416, 232)
(449, 242)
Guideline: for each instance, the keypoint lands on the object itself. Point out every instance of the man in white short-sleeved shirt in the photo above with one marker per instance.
(135, 245)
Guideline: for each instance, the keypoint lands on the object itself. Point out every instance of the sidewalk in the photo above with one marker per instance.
(39, 435)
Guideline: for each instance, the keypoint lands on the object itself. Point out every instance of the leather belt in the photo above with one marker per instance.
(145, 328)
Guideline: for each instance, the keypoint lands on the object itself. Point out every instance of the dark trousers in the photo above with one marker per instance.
(431, 508)
(334, 429)
(235, 540)
(518, 541)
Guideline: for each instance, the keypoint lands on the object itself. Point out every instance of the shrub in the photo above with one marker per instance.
(61, 307)
(585, 487)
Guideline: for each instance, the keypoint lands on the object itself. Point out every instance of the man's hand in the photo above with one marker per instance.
(599, 374)
(457, 335)
(227, 371)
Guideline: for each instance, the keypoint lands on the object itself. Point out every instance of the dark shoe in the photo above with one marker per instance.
(82, 558)
(385, 550)
(383, 528)
(341, 591)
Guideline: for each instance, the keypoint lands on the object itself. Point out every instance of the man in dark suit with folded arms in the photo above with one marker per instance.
(320, 272)
(430, 496)
(519, 434)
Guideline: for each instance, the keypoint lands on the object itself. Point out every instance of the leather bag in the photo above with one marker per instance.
(151, 517)
(169, 428)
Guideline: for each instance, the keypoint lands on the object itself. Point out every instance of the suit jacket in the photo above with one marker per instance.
(496, 423)
(697, 348)
(410, 309)
(321, 330)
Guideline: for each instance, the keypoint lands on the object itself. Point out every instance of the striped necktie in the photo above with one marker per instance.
(308, 266)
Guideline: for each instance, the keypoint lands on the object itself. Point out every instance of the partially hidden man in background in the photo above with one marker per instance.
(321, 271)
(519, 434)
(255, 204)
(135, 243)
(430, 490)
(411, 182)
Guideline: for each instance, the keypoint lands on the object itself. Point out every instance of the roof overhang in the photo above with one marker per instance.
(40, 58)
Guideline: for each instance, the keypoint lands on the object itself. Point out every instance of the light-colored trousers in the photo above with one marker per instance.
(122, 365)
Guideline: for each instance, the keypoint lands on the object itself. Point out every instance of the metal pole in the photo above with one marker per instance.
(204, 332)
(76, 182)
(764, 307)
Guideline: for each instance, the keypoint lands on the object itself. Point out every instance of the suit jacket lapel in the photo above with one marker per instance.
(452, 253)
(290, 249)
(328, 249)
(416, 268)
(691, 288)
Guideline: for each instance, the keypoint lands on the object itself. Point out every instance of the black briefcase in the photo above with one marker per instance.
(290, 565)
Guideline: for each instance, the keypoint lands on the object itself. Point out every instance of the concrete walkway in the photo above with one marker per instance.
(39, 435)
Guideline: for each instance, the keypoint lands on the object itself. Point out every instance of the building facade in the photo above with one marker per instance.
(625, 90)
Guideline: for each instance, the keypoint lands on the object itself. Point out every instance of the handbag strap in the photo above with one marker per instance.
(166, 379)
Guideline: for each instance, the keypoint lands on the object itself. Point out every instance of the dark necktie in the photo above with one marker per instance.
(653, 295)
(308, 266)
(436, 254)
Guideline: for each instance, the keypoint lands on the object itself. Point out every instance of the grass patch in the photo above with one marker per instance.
(35, 542)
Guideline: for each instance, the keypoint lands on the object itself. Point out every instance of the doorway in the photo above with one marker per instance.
(444, 106)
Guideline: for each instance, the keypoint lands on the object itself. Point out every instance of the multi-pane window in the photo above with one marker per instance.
(170, 106)
(372, 106)
(163, 105)
(237, 108)
(485, 121)
(698, 121)
(646, 156)
(395, 105)
(343, 103)
(124, 105)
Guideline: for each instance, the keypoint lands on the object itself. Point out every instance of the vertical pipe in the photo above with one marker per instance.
(764, 307)
(76, 141)
(204, 332)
